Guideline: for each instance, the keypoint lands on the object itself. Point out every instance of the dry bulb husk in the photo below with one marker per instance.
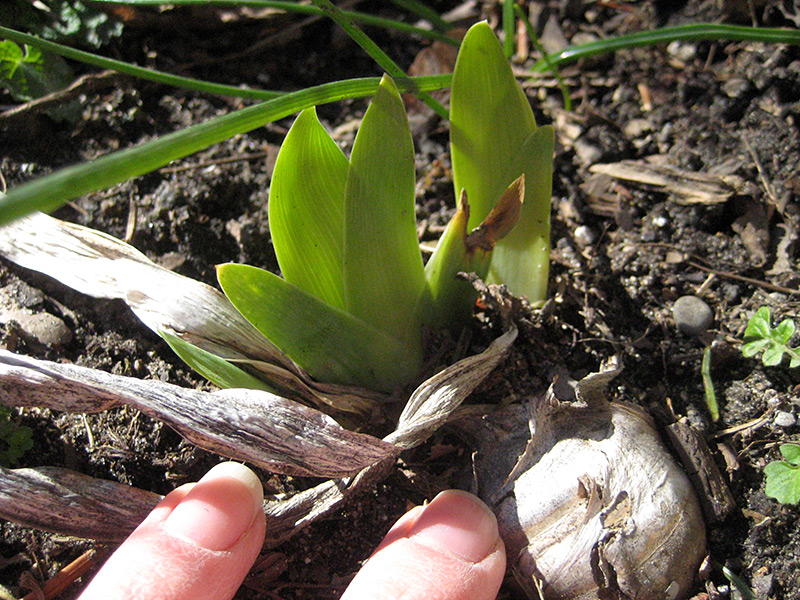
(589, 502)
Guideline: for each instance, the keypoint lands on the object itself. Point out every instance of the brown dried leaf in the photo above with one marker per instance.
(102, 266)
(264, 429)
(69, 503)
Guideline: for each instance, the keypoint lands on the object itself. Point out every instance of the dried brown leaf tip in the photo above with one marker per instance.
(500, 220)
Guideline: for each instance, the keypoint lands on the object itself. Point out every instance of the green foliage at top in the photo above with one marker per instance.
(773, 341)
(15, 439)
(27, 73)
(783, 476)
(70, 21)
(354, 297)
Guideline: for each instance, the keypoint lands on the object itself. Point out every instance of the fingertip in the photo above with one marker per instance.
(449, 549)
(459, 523)
(198, 543)
(220, 508)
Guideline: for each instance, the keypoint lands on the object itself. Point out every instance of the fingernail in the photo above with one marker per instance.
(459, 523)
(219, 509)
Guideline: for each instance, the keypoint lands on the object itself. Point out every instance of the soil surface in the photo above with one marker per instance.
(724, 114)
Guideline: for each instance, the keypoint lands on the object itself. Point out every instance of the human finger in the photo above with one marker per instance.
(197, 544)
(447, 550)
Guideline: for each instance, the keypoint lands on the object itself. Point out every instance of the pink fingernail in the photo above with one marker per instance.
(219, 509)
(459, 523)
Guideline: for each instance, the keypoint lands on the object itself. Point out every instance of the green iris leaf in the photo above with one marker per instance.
(306, 209)
(332, 345)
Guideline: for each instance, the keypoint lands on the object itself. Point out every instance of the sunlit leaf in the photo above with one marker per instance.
(329, 343)
(783, 476)
(494, 139)
(490, 119)
(28, 73)
(383, 270)
(521, 260)
(306, 209)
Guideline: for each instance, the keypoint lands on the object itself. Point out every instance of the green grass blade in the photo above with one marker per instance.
(378, 55)
(332, 345)
(693, 32)
(490, 119)
(50, 192)
(521, 260)
(217, 370)
(509, 28)
(383, 270)
(551, 67)
(306, 210)
(424, 12)
(136, 71)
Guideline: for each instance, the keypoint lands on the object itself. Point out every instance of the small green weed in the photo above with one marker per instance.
(68, 21)
(28, 73)
(15, 439)
(783, 476)
(774, 341)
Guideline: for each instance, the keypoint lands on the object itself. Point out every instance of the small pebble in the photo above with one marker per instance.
(692, 315)
(784, 419)
(584, 236)
(45, 328)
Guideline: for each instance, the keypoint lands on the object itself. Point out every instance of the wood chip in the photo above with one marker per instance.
(686, 187)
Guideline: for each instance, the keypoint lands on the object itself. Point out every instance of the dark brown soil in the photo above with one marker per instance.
(622, 254)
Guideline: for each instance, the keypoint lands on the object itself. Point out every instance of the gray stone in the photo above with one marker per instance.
(45, 328)
(692, 315)
(784, 419)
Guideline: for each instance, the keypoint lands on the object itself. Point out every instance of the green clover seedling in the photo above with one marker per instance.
(774, 341)
(783, 476)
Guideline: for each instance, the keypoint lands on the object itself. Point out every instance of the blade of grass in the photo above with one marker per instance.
(49, 192)
(551, 67)
(378, 55)
(424, 12)
(305, 9)
(694, 32)
(306, 209)
(509, 28)
(332, 345)
(383, 272)
(140, 72)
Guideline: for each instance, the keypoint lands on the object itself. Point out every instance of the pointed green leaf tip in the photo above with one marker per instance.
(494, 139)
(383, 271)
(306, 209)
(214, 368)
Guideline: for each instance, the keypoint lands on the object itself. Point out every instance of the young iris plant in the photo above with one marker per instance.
(355, 295)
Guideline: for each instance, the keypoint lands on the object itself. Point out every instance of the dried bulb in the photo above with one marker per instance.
(589, 502)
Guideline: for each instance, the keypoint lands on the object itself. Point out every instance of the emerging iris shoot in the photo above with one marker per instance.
(355, 296)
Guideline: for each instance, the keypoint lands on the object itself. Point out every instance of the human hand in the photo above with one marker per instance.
(201, 540)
